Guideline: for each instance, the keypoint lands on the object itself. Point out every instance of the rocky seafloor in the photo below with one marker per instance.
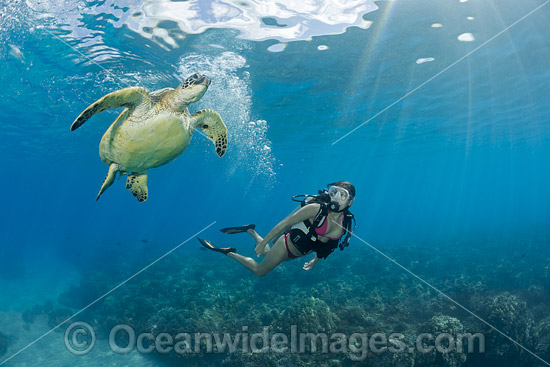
(357, 291)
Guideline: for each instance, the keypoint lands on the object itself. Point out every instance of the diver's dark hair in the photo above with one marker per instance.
(346, 185)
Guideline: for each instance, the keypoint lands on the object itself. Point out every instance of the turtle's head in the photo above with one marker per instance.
(192, 89)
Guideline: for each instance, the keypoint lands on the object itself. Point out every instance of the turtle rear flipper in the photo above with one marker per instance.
(210, 122)
(137, 184)
(109, 179)
(127, 97)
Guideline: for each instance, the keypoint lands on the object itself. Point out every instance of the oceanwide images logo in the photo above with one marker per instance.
(80, 339)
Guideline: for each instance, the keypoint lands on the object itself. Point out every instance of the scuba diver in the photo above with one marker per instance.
(322, 224)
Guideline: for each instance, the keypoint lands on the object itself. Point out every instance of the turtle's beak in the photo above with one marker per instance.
(204, 80)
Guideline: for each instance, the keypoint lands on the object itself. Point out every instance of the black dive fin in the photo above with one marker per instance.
(223, 250)
(241, 229)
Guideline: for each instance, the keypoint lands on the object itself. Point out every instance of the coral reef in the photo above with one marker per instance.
(509, 314)
(542, 331)
(310, 314)
(92, 286)
(205, 293)
(55, 316)
(448, 328)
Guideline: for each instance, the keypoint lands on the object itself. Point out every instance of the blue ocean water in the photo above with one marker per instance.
(437, 112)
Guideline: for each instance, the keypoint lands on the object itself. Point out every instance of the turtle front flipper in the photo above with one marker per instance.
(109, 179)
(210, 122)
(137, 184)
(127, 97)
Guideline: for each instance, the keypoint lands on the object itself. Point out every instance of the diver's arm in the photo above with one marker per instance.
(310, 264)
(307, 212)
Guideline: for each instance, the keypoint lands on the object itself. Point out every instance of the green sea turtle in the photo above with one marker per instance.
(154, 129)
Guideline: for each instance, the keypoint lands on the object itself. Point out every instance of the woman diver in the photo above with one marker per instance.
(322, 224)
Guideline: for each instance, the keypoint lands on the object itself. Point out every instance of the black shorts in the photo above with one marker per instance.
(301, 240)
(305, 245)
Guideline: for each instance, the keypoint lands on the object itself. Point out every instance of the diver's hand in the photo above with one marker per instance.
(260, 247)
(310, 264)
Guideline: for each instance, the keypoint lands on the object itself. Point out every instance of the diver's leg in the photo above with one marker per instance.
(273, 258)
(258, 239)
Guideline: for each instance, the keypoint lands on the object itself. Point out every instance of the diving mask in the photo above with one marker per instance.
(338, 193)
(338, 197)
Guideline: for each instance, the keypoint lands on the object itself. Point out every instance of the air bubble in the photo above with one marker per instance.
(466, 37)
(278, 47)
(425, 59)
(230, 95)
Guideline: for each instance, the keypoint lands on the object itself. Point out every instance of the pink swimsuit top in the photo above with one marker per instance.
(323, 229)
